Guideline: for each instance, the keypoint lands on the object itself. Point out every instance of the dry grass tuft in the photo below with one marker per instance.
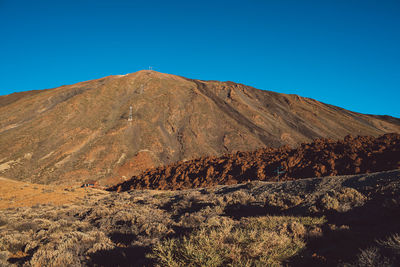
(342, 200)
(384, 253)
(258, 241)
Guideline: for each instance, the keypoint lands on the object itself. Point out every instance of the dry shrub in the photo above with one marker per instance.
(194, 219)
(372, 257)
(281, 200)
(189, 201)
(26, 226)
(3, 220)
(384, 253)
(47, 190)
(164, 195)
(253, 241)
(137, 220)
(13, 242)
(238, 198)
(341, 200)
(392, 243)
(70, 249)
(3, 258)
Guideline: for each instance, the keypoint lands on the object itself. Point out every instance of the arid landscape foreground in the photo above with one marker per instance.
(344, 220)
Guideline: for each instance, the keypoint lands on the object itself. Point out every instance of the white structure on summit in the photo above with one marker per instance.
(130, 114)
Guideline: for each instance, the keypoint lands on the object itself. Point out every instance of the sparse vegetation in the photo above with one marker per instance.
(255, 241)
(342, 200)
(383, 253)
(254, 224)
(282, 200)
(3, 220)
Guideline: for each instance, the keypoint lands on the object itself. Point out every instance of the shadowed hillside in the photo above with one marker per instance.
(79, 132)
(323, 157)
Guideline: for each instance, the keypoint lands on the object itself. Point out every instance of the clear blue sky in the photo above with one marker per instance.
(343, 52)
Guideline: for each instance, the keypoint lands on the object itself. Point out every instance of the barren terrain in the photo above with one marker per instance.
(323, 157)
(74, 133)
(23, 194)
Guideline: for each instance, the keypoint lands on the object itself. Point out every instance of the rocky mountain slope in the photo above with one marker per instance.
(323, 157)
(78, 132)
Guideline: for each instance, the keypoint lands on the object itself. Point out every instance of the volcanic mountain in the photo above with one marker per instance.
(83, 131)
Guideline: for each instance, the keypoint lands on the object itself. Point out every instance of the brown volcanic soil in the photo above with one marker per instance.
(81, 132)
(323, 157)
(20, 194)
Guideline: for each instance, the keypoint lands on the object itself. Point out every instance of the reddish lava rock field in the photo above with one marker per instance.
(323, 157)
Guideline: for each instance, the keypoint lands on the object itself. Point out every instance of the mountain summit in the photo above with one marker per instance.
(83, 131)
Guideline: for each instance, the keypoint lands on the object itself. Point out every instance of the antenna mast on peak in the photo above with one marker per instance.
(130, 114)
